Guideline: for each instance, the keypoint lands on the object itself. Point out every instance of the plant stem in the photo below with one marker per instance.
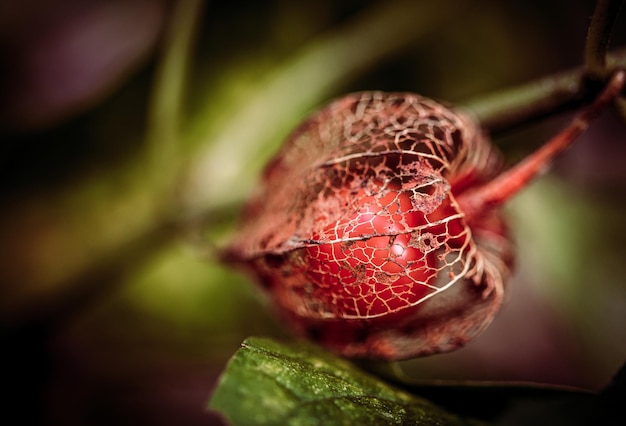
(519, 105)
(162, 158)
(507, 184)
(598, 37)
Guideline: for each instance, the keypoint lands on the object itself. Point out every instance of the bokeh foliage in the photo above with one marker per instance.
(112, 304)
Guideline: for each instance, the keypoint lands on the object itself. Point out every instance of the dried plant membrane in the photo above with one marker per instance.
(356, 220)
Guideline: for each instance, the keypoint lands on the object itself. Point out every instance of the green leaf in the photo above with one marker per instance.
(269, 383)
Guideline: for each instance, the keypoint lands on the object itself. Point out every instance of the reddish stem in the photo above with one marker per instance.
(507, 184)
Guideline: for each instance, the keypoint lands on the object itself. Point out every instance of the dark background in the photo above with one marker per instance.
(109, 316)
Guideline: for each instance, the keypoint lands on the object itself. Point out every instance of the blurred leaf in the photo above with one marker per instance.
(271, 383)
(238, 128)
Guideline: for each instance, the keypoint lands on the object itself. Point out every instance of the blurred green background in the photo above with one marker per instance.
(131, 131)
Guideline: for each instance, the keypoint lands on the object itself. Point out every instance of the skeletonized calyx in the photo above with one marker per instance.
(358, 234)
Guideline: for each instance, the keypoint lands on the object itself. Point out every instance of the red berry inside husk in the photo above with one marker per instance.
(376, 228)
(395, 258)
(357, 235)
